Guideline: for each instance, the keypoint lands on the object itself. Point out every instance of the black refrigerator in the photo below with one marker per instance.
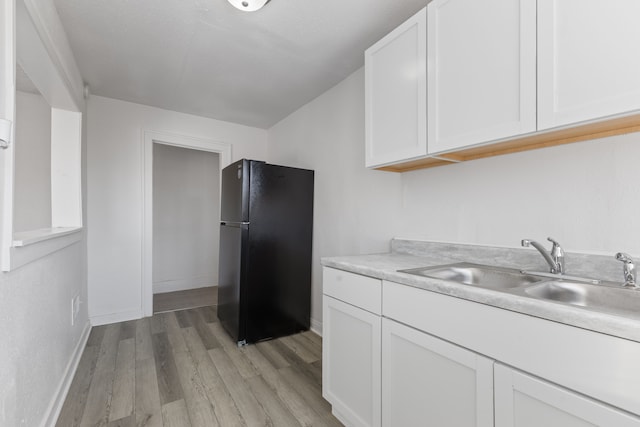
(264, 286)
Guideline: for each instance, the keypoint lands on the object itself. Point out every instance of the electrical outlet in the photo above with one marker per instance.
(75, 309)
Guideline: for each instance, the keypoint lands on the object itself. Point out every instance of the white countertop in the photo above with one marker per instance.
(385, 266)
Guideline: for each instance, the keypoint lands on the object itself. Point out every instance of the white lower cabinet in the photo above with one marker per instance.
(522, 400)
(429, 382)
(351, 363)
(400, 356)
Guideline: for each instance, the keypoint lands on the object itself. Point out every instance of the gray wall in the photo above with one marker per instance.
(186, 215)
(32, 186)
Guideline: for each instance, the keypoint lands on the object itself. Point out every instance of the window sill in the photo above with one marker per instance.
(26, 238)
(29, 246)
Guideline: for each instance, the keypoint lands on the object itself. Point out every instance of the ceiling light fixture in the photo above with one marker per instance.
(248, 5)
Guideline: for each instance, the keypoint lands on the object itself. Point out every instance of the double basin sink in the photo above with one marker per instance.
(587, 293)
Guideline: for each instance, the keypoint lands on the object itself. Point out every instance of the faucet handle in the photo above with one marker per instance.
(624, 257)
(556, 250)
(629, 270)
(555, 243)
(557, 253)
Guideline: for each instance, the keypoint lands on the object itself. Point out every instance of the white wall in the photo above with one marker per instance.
(585, 194)
(32, 178)
(355, 210)
(38, 341)
(186, 217)
(115, 132)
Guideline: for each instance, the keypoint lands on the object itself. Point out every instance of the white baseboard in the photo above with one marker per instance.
(316, 326)
(53, 411)
(105, 319)
(183, 284)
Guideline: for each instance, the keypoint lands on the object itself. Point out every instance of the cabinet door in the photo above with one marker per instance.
(430, 382)
(396, 94)
(588, 65)
(351, 363)
(481, 72)
(525, 401)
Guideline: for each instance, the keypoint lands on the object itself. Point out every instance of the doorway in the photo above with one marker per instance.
(180, 221)
(186, 235)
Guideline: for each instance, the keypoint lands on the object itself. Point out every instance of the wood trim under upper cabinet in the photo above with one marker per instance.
(601, 129)
(427, 162)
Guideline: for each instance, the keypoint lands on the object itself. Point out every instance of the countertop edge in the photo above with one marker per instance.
(385, 266)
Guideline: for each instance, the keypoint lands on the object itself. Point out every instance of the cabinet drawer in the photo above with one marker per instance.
(361, 291)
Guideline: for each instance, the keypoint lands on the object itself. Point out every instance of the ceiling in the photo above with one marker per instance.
(207, 58)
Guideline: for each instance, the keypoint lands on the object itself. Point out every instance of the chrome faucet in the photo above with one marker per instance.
(555, 258)
(629, 270)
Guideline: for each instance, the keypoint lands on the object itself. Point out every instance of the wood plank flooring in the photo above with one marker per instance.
(188, 298)
(182, 369)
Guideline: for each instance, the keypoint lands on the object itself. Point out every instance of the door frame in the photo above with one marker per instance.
(223, 149)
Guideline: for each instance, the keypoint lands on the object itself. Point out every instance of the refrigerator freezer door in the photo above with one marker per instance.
(235, 192)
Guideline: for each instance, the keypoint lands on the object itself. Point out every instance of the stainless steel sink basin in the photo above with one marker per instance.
(608, 298)
(605, 297)
(477, 275)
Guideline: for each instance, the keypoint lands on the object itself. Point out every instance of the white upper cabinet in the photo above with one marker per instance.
(481, 71)
(588, 61)
(465, 79)
(396, 94)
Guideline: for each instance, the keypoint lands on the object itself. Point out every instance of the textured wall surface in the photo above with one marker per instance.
(37, 336)
(38, 341)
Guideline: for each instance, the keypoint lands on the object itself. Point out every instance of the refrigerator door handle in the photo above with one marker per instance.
(234, 223)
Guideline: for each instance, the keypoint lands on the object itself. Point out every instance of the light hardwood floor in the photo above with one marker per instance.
(188, 298)
(182, 369)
